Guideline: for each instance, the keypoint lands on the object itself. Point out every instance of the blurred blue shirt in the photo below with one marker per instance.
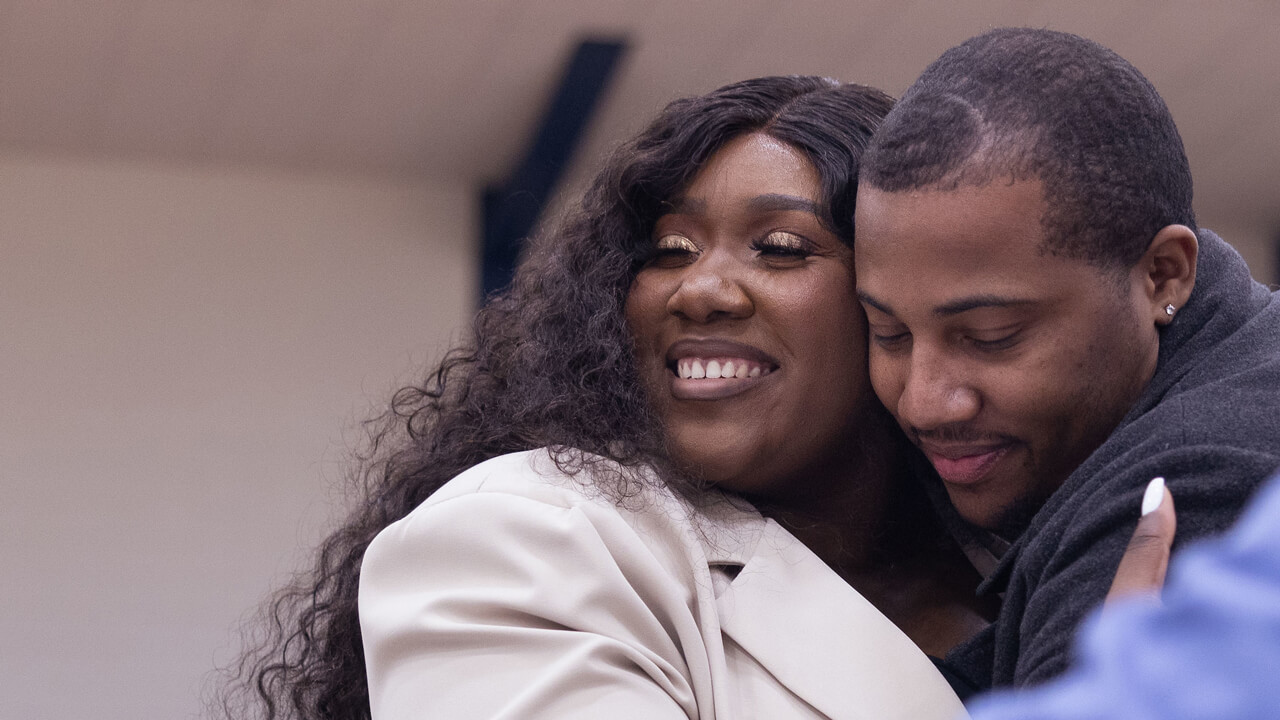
(1212, 650)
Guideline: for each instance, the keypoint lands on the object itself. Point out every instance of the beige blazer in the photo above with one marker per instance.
(514, 592)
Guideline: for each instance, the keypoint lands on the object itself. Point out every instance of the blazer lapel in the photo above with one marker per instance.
(824, 641)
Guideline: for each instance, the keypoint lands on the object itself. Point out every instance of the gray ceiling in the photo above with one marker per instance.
(452, 88)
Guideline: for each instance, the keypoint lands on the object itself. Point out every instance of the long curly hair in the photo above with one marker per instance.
(550, 363)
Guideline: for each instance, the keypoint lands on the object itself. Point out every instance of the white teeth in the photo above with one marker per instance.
(693, 368)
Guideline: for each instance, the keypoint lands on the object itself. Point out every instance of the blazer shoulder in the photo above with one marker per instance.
(500, 496)
(531, 473)
(536, 474)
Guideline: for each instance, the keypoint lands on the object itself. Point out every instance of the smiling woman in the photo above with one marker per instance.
(747, 276)
(657, 484)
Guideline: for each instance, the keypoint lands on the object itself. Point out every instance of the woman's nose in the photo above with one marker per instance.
(711, 288)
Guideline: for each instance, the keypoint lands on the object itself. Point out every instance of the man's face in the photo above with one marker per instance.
(1005, 364)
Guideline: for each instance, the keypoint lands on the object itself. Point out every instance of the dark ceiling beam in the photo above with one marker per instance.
(511, 209)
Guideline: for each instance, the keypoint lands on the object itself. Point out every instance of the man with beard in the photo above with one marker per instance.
(1051, 329)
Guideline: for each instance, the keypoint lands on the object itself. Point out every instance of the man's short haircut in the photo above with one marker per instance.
(1023, 104)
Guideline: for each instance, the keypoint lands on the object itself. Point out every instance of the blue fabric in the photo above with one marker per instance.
(1211, 651)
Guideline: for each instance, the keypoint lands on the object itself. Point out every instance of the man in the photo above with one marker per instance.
(1052, 331)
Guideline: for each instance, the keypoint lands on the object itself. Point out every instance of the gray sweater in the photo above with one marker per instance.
(1209, 422)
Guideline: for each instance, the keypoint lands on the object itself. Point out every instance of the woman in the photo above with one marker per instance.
(690, 545)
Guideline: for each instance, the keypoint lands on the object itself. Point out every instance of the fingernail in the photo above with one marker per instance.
(1154, 495)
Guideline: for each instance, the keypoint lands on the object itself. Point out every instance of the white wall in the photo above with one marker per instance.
(183, 355)
(1254, 245)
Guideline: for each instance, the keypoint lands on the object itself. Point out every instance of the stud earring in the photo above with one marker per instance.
(1169, 309)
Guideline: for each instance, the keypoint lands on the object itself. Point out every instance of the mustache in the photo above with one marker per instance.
(959, 434)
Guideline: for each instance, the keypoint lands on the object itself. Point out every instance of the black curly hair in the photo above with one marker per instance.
(1030, 103)
(550, 364)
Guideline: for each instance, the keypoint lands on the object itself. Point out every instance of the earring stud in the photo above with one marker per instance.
(1169, 309)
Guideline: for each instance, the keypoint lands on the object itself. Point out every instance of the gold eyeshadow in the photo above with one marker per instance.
(675, 241)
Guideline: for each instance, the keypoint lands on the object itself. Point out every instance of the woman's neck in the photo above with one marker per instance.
(876, 530)
(845, 513)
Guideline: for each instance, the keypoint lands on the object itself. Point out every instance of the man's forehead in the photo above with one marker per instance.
(954, 250)
(999, 216)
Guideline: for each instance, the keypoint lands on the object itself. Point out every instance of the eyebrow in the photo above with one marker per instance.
(774, 202)
(769, 202)
(955, 307)
(965, 304)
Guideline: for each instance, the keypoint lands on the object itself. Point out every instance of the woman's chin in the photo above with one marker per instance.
(728, 473)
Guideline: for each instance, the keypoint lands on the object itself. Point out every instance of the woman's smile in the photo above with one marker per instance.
(715, 369)
(718, 368)
(716, 378)
(747, 330)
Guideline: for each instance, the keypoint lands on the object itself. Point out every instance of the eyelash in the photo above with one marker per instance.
(799, 248)
(892, 342)
(687, 246)
(1003, 343)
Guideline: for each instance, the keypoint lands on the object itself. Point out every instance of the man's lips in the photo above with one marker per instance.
(964, 465)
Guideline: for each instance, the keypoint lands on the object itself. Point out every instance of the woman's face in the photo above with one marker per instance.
(749, 336)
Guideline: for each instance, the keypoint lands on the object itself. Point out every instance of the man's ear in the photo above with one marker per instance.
(1168, 270)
